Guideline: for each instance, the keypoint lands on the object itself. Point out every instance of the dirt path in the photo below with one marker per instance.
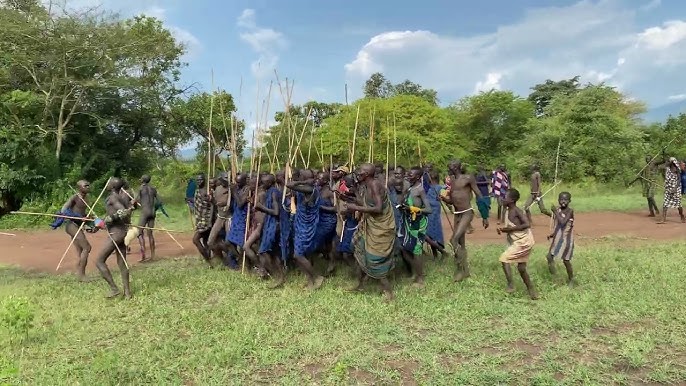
(41, 250)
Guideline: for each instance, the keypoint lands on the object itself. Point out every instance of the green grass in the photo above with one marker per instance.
(625, 323)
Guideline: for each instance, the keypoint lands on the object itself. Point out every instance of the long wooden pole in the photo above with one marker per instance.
(352, 151)
(83, 219)
(557, 163)
(209, 134)
(90, 211)
(395, 144)
(388, 148)
(371, 136)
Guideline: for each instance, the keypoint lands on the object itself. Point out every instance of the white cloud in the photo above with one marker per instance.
(266, 42)
(677, 97)
(660, 38)
(598, 40)
(492, 82)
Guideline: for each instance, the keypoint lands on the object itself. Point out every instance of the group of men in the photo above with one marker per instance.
(368, 218)
(119, 205)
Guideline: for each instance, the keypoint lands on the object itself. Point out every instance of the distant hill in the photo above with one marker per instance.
(661, 113)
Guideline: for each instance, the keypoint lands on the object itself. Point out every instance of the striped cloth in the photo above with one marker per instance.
(563, 240)
(500, 184)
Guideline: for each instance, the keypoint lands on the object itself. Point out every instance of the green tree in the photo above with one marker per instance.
(542, 94)
(600, 133)
(492, 124)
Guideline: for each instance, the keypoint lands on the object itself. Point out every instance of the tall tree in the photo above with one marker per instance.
(543, 93)
(377, 86)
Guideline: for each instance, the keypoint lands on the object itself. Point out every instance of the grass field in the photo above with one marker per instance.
(624, 324)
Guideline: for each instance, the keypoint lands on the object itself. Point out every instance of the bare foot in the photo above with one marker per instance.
(683, 219)
(387, 296)
(317, 284)
(533, 294)
(128, 296)
(509, 289)
(552, 268)
(279, 283)
(460, 276)
(113, 294)
(84, 279)
(571, 283)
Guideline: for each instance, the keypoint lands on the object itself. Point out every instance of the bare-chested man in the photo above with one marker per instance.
(460, 196)
(222, 199)
(117, 222)
(76, 207)
(536, 193)
(415, 209)
(147, 197)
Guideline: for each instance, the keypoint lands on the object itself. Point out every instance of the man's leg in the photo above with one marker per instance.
(151, 237)
(104, 270)
(314, 281)
(458, 241)
(197, 240)
(521, 267)
(508, 277)
(527, 206)
(118, 237)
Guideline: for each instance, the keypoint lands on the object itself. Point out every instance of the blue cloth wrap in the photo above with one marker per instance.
(326, 229)
(434, 228)
(271, 223)
(349, 228)
(236, 234)
(60, 220)
(305, 223)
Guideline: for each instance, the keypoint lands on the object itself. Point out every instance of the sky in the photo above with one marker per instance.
(458, 48)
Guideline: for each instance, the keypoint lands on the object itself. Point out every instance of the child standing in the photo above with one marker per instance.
(563, 236)
(520, 240)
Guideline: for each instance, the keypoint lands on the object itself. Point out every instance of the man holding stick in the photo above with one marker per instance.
(76, 207)
(202, 206)
(147, 197)
(117, 222)
(648, 177)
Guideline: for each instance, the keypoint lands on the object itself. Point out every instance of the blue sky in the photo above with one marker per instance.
(456, 47)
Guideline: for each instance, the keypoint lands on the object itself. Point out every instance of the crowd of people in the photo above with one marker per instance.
(370, 219)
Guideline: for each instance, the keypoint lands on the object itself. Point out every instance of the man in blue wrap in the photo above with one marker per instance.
(236, 235)
(269, 203)
(434, 230)
(305, 225)
(326, 229)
